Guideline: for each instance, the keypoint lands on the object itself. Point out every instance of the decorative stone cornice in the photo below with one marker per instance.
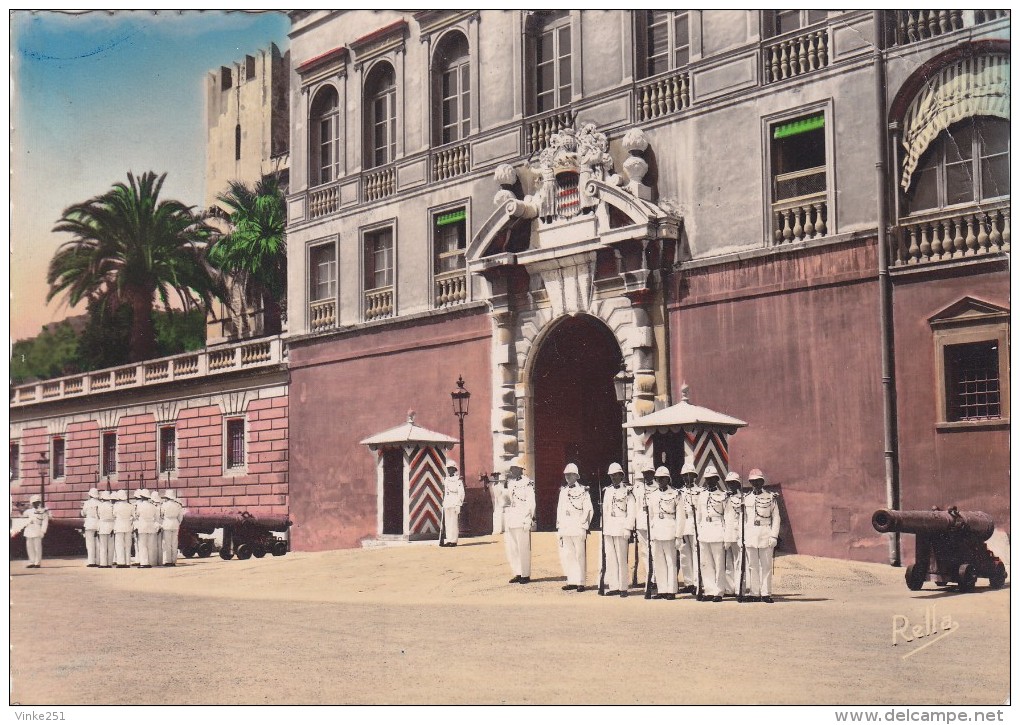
(431, 22)
(379, 42)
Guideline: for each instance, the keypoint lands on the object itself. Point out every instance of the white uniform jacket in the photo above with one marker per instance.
(762, 519)
(666, 514)
(734, 511)
(641, 491)
(105, 517)
(519, 510)
(711, 510)
(90, 512)
(123, 512)
(453, 492)
(618, 511)
(690, 508)
(147, 517)
(171, 514)
(574, 511)
(38, 522)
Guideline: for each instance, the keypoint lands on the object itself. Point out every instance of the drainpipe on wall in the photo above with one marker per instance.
(892, 483)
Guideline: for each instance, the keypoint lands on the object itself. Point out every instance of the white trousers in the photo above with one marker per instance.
(154, 549)
(518, 551)
(122, 548)
(572, 556)
(733, 567)
(497, 520)
(617, 572)
(33, 547)
(144, 541)
(451, 523)
(104, 548)
(90, 547)
(642, 547)
(689, 560)
(713, 568)
(759, 562)
(664, 565)
(168, 540)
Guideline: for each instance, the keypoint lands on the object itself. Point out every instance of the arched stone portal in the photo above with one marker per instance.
(576, 416)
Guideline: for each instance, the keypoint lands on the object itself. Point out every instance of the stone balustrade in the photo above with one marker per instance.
(663, 95)
(912, 26)
(794, 56)
(324, 201)
(450, 162)
(943, 236)
(322, 315)
(379, 303)
(800, 219)
(538, 131)
(379, 184)
(450, 288)
(240, 356)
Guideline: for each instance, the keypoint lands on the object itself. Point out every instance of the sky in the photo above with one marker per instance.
(96, 95)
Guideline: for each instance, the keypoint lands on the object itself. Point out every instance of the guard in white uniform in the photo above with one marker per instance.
(761, 536)
(664, 506)
(690, 559)
(138, 497)
(147, 526)
(105, 544)
(641, 490)
(453, 499)
(618, 521)
(573, 517)
(497, 492)
(171, 514)
(123, 515)
(38, 518)
(518, 517)
(155, 548)
(90, 512)
(711, 509)
(732, 532)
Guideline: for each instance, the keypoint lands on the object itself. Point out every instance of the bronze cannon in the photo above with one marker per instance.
(949, 546)
(243, 534)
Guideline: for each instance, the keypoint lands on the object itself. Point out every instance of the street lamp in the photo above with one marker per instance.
(461, 398)
(44, 466)
(624, 383)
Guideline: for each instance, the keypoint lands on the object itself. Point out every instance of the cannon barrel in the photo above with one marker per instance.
(972, 524)
(207, 523)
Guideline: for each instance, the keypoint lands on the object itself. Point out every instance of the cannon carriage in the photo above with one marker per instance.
(949, 546)
(244, 535)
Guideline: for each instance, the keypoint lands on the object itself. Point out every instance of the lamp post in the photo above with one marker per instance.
(461, 397)
(44, 464)
(623, 381)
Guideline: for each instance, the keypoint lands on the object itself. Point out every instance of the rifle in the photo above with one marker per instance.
(602, 541)
(743, 550)
(697, 547)
(442, 519)
(648, 577)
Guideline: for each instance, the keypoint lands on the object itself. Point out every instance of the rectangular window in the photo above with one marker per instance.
(167, 449)
(667, 40)
(384, 127)
(798, 158)
(235, 443)
(379, 259)
(552, 63)
(785, 21)
(325, 142)
(57, 456)
(450, 240)
(456, 109)
(972, 381)
(322, 272)
(15, 461)
(109, 453)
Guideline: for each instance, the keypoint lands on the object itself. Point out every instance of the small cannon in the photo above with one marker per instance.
(949, 544)
(243, 534)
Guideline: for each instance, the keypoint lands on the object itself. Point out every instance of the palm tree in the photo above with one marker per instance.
(128, 247)
(254, 253)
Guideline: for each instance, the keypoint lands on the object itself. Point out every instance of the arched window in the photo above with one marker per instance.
(323, 127)
(550, 61)
(380, 116)
(451, 90)
(966, 164)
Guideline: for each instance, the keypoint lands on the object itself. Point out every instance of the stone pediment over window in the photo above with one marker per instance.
(432, 21)
(968, 311)
(580, 203)
(331, 63)
(379, 42)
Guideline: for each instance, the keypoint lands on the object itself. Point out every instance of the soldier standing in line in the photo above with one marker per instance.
(618, 521)
(138, 497)
(123, 513)
(518, 517)
(453, 499)
(761, 536)
(573, 517)
(155, 549)
(105, 530)
(711, 508)
(690, 562)
(664, 505)
(90, 512)
(171, 514)
(497, 492)
(146, 524)
(642, 489)
(733, 514)
(38, 521)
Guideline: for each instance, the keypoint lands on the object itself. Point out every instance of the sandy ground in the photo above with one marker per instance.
(420, 624)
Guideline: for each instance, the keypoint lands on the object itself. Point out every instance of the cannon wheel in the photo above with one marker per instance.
(996, 580)
(243, 551)
(226, 554)
(915, 577)
(258, 550)
(967, 578)
(204, 549)
(187, 552)
(279, 548)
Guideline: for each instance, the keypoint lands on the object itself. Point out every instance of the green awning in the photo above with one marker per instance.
(452, 218)
(801, 125)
